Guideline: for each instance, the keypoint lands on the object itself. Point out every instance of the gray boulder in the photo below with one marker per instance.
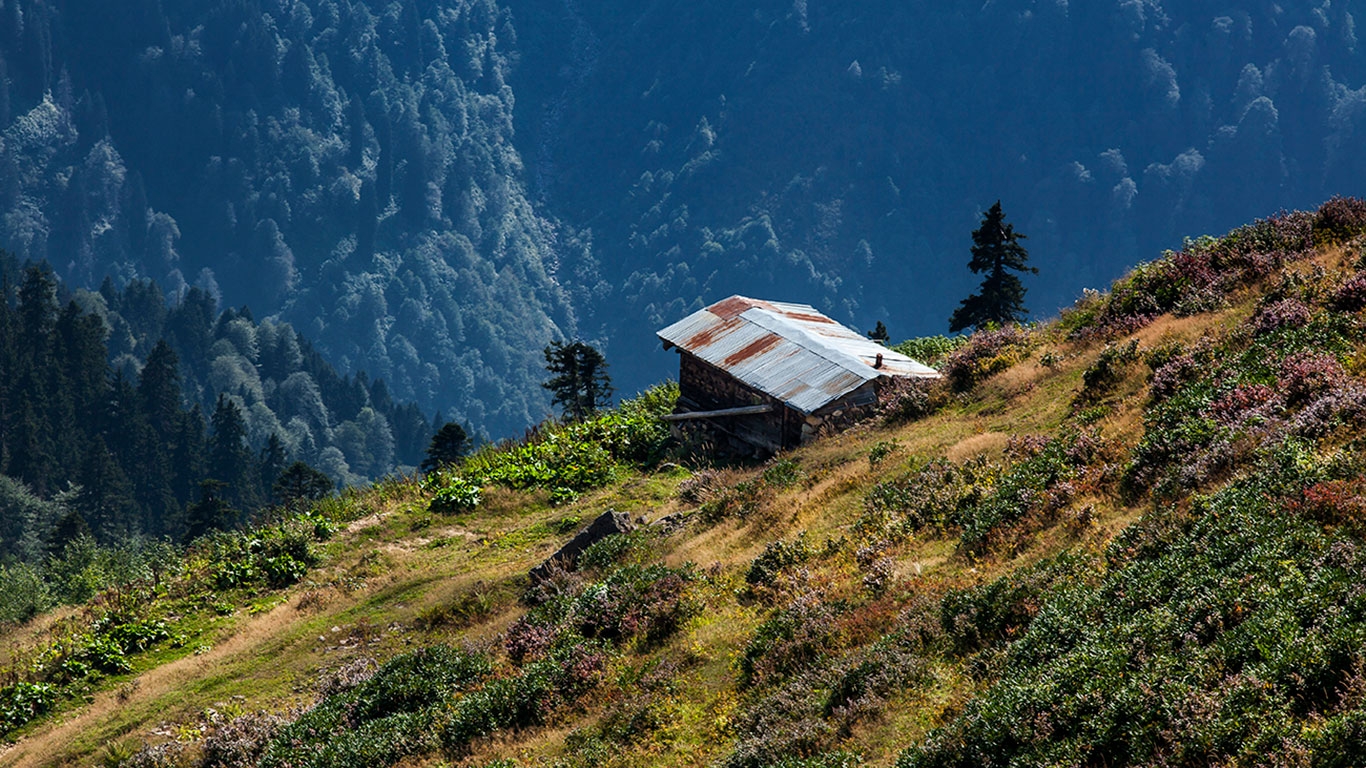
(609, 523)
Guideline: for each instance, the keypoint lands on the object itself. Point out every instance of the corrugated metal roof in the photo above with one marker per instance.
(789, 351)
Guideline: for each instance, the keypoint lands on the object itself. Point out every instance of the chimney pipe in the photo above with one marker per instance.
(878, 362)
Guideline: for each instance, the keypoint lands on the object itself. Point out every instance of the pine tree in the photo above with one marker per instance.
(997, 252)
(579, 380)
(447, 446)
(274, 459)
(230, 460)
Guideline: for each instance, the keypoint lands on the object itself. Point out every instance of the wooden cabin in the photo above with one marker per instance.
(764, 376)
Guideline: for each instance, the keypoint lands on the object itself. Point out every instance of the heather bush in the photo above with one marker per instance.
(1351, 295)
(389, 716)
(1283, 313)
(777, 556)
(740, 500)
(649, 603)
(1223, 636)
(240, 742)
(1339, 219)
(1195, 279)
(1020, 488)
(985, 354)
(1306, 375)
(904, 400)
(793, 639)
(1101, 377)
(1000, 610)
(931, 496)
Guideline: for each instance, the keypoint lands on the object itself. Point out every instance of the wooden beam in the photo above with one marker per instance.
(748, 410)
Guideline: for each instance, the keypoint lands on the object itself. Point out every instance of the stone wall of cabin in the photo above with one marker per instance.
(704, 387)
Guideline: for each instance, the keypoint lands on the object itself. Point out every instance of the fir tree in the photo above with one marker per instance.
(301, 483)
(997, 252)
(579, 380)
(211, 513)
(230, 460)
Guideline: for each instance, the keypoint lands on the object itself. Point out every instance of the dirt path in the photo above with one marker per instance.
(48, 746)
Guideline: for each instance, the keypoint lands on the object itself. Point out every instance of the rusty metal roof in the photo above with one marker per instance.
(789, 351)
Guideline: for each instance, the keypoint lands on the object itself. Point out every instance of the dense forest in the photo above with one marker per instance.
(125, 417)
(435, 190)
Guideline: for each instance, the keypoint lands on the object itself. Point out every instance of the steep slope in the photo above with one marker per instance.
(1131, 536)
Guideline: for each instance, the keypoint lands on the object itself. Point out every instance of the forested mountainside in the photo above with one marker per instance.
(346, 166)
(434, 190)
(1132, 537)
(842, 152)
(116, 408)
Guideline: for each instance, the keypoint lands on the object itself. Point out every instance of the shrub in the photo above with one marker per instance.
(384, 718)
(782, 473)
(777, 555)
(22, 701)
(1019, 490)
(240, 742)
(930, 350)
(796, 638)
(902, 400)
(455, 495)
(1284, 313)
(1001, 610)
(1351, 295)
(986, 353)
(932, 496)
(1339, 219)
(1107, 371)
(1306, 375)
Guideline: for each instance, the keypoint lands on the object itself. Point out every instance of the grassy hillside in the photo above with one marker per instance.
(1130, 536)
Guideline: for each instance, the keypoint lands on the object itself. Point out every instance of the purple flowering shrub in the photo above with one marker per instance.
(1284, 313)
(1340, 219)
(1195, 279)
(1351, 295)
(986, 353)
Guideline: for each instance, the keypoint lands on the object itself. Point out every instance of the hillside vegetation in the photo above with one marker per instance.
(1129, 536)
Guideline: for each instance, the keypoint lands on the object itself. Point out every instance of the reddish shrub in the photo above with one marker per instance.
(1334, 502)
(1309, 374)
(1239, 400)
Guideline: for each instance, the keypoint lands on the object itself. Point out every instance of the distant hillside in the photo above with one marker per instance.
(433, 191)
(116, 406)
(1132, 536)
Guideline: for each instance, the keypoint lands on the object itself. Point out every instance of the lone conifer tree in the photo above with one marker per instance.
(579, 380)
(996, 251)
(447, 446)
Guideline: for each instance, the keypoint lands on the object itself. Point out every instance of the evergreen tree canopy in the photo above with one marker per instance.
(997, 252)
(579, 380)
(448, 445)
(301, 483)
